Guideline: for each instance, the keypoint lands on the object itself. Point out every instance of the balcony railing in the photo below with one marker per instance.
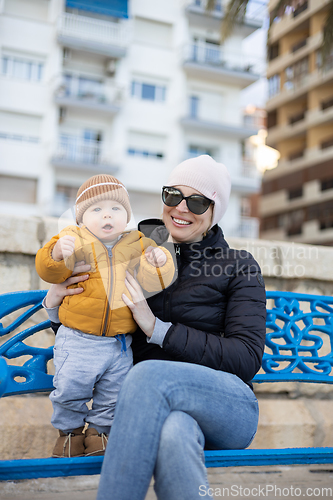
(301, 8)
(249, 169)
(326, 144)
(299, 45)
(296, 118)
(254, 13)
(71, 149)
(86, 91)
(212, 55)
(296, 154)
(248, 228)
(326, 104)
(95, 30)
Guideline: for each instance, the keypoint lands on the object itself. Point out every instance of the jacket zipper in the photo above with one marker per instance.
(108, 310)
(168, 295)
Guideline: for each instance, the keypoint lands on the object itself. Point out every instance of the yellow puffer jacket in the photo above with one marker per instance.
(99, 309)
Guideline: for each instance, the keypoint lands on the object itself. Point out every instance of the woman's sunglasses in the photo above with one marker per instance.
(196, 203)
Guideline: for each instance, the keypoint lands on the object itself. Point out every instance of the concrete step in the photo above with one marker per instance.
(26, 431)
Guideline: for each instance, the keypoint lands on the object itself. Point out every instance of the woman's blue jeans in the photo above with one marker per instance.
(166, 413)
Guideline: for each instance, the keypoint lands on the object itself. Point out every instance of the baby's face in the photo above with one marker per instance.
(106, 219)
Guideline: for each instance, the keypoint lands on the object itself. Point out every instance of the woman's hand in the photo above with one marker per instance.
(141, 311)
(56, 293)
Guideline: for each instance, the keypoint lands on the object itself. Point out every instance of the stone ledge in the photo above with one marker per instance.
(25, 428)
(277, 259)
(26, 431)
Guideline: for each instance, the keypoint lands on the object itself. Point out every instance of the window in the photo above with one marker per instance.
(299, 45)
(273, 85)
(82, 87)
(65, 197)
(18, 189)
(194, 106)
(326, 104)
(273, 51)
(326, 144)
(296, 154)
(328, 62)
(212, 52)
(25, 69)
(302, 6)
(145, 153)
(148, 91)
(18, 137)
(295, 193)
(294, 75)
(245, 206)
(20, 127)
(194, 151)
(272, 119)
(86, 149)
(327, 184)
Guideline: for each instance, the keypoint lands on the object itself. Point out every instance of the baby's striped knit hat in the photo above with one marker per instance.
(101, 187)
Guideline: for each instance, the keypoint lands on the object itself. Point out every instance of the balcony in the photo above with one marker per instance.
(299, 87)
(93, 35)
(311, 156)
(196, 124)
(85, 155)
(80, 93)
(249, 169)
(199, 16)
(312, 118)
(296, 53)
(210, 61)
(248, 228)
(290, 21)
(245, 184)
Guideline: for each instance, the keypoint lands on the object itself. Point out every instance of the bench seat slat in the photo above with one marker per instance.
(81, 466)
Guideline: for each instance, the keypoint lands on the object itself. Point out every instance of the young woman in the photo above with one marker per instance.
(199, 344)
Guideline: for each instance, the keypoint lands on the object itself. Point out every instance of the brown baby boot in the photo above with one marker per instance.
(69, 445)
(95, 443)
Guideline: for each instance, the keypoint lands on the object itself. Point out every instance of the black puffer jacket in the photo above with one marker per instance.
(217, 306)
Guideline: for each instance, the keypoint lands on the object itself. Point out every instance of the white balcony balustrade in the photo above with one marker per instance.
(80, 92)
(78, 150)
(215, 56)
(75, 152)
(94, 35)
(249, 169)
(248, 228)
(255, 13)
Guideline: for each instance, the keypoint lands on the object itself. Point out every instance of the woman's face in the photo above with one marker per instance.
(183, 225)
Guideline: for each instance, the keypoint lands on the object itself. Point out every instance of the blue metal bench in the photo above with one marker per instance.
(298, 348)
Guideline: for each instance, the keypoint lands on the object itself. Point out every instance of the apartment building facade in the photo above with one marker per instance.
(126, 88)
(297, 196)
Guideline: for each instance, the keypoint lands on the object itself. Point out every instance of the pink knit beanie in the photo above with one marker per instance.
(210, 178)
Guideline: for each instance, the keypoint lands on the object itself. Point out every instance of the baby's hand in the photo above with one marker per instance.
(155, 256)
(63, 248)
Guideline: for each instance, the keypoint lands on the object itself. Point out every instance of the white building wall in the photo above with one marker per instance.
(159, 34)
